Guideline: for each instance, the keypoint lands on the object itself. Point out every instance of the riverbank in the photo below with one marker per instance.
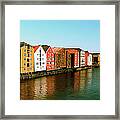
(33, 75)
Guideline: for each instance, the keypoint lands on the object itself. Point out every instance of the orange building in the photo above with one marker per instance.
(26, 58)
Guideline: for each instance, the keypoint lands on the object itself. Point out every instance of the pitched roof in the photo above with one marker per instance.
(24, 44)
(45, 47)
(56, 49)
(35, 48)
(74, 49)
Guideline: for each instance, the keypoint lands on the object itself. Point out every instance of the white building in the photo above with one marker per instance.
(39, 58)
(82, 58)
(89, 59)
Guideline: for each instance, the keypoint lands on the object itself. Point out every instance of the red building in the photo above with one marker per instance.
(72, 57)
(60, 57)
(86, 58)
(50, 64)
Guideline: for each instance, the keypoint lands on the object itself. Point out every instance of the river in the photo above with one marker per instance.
(79, 85)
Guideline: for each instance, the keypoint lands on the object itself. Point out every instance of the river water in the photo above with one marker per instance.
(80, 85)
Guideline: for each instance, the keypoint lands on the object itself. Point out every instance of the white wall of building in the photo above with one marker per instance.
(82, 58)
(90, 59)
(39, 59)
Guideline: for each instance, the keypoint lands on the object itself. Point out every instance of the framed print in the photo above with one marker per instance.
(59, 59)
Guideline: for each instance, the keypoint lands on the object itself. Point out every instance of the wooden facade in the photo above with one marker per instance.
(50, 63)
(86, 58)
(26, 58)
(39, 58)
(82, 58)
(72, 57)
(96, 59)
(60, 57)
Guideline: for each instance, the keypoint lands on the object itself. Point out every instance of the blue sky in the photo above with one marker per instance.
(84, 34)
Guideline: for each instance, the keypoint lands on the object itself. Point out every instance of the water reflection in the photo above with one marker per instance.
(80, 85)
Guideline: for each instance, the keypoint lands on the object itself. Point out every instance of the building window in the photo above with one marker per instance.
(24, 58)
(27, 60)
(43, 63)
(30, 54)
(30, 58)
(24, 54)
(24, 50)
(42, 54)
(24, 64)
(24, 69)
(37, 63)
(42, 58)
(27, 64)
(38, 58)
(40, 63)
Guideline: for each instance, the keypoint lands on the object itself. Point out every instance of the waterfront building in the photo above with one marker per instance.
(82, 58)
(49, 57)
(59, 57)
(86, 58)
(72, 57)
(26, 58)
(95, 59)
(90, 59)
(39, 58)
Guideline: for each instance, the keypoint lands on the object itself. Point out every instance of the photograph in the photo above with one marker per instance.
(59, 59)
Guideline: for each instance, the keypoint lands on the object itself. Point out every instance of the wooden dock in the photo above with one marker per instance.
(33, 75)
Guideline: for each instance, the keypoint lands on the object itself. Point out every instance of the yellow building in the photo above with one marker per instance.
(99, 59)
(26, 58)
(96, 59)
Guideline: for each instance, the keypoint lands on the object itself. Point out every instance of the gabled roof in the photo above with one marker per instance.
(45, 47)
(24, 44)
(74, 49)
(35, 48)
(56, 49)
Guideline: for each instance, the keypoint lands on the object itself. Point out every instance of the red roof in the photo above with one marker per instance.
(56, 49)
(35, 48)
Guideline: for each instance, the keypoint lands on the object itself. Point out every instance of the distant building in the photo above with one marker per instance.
(96, 59)
(90, 60)
(50, 64)
(26, 58)
(39, 58)
(86, 58)
(72, 57)
(60, 57)
(82, 58)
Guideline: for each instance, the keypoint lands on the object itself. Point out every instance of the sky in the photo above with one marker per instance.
(84, 34)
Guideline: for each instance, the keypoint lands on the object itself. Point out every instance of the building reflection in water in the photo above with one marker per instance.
(40, 91)
(50, 86)
(61, 86)
(27, 90)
